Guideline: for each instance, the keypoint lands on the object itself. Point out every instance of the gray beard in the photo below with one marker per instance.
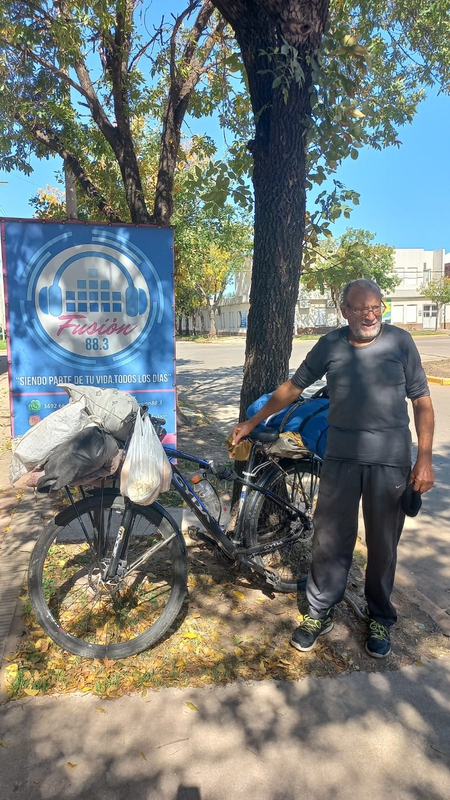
(360, 335)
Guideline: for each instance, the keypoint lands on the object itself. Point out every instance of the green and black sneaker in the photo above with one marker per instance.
(305, 636)
(378, 644)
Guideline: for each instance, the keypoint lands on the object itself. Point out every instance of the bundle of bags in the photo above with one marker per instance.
(302, 425)
(84, 441)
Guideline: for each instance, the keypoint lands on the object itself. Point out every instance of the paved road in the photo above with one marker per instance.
(213, 372)
(212, 375)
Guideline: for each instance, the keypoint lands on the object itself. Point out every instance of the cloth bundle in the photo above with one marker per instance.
(79, 442)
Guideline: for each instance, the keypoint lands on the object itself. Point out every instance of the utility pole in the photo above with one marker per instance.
(71, 195)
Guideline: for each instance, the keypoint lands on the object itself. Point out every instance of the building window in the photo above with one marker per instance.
(430, 311)
(321, 317)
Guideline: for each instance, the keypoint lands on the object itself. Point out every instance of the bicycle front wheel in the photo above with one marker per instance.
(298, 482)
(126, 614)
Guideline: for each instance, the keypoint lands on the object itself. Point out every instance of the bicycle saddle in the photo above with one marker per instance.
(264, 435)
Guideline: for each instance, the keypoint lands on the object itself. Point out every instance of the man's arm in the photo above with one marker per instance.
(422, 474)
(286, 394)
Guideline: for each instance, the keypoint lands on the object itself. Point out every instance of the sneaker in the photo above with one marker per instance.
(378, 644)
(305, 636)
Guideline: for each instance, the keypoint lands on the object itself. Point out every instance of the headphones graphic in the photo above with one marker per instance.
(51, 297)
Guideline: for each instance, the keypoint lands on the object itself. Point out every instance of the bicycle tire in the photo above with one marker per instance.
(298, 481)
(73, 605)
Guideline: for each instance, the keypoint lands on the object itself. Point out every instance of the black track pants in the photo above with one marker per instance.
(336, 522)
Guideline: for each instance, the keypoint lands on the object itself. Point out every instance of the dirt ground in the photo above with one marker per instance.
(232, 625)
(5, 416)
(438, 369)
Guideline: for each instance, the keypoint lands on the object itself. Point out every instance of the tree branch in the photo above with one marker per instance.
(53, 143)
(176, 27)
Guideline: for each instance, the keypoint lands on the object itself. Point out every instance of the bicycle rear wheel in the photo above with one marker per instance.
(90, 617)
(298, 482)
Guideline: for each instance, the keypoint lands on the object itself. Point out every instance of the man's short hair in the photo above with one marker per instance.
(365, 284)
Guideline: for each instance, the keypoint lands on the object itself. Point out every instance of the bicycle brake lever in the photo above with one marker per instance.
(223, 472)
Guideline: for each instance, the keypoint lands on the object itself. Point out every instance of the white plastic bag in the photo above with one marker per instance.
(146, 470)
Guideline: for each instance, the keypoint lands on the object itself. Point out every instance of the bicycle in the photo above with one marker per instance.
(108, 578)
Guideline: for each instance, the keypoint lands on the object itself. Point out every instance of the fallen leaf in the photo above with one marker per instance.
(239, 595)
(71, 766)
(142, 755)
(191, 706)
(191, 635)
(3, 743)
(419, 663)
(31, 692)
(102, 710)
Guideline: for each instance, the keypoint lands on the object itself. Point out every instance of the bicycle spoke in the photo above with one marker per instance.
(101, 612)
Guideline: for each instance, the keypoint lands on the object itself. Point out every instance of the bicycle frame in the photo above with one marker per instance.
(217, 535)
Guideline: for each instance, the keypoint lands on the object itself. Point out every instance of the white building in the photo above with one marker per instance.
(415, 268)
(315, 313)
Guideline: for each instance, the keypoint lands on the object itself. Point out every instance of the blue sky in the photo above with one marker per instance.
(404, 191)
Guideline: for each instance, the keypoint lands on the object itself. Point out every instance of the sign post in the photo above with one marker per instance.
(90, 304)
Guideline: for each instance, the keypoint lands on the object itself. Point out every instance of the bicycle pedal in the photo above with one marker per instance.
(200, 536)
(193, 531)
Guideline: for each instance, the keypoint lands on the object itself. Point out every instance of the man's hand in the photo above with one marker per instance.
(242, 430)
(422, 475)
(285, 394)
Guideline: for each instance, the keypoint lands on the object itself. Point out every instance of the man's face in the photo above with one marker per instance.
(363, 312)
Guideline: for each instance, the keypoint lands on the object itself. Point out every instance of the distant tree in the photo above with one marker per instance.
(210, 249)
(438, 291)
(352, 256)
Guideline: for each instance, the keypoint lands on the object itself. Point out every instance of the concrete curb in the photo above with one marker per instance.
(438, 381)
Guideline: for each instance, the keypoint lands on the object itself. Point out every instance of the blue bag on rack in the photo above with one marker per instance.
(309, 418)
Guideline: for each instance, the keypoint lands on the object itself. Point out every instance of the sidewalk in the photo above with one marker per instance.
(357, 737)
(366, 736)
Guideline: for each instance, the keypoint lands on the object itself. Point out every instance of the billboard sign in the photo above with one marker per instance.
(89, 304)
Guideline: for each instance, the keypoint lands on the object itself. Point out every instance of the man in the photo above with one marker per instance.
(371, 369)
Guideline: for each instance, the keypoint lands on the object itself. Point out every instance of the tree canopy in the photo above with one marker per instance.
(438, 291)
(354, 255)
(81, 81)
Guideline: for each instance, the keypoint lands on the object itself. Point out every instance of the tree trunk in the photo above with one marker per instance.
(279, 227)
(279, 174)
(437, 317)
(212, 320)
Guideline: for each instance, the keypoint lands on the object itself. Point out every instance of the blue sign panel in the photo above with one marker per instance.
(88, 304)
